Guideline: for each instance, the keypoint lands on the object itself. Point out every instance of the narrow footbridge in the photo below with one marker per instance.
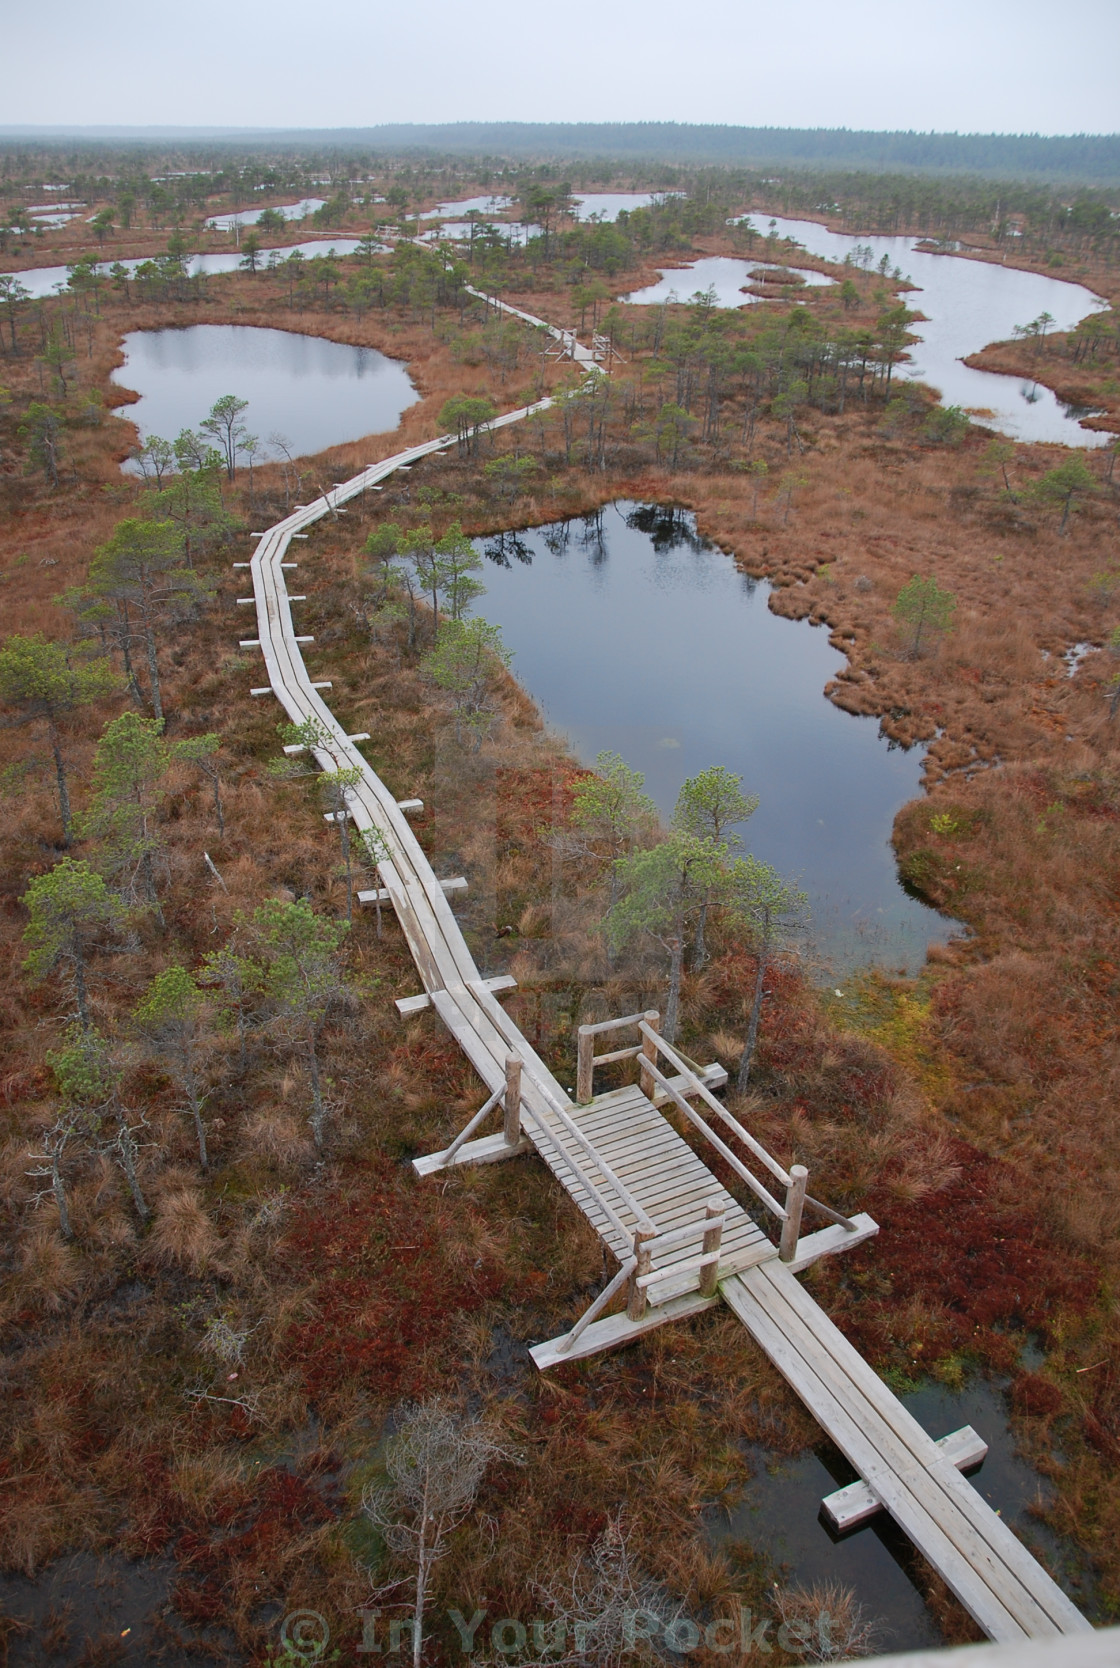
(683, 1243)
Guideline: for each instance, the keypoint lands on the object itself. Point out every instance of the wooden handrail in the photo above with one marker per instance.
(803, 1199)
(721, 1147)
(577, 1169)
(598, 1306)
(705, 1094)
(587, 1059)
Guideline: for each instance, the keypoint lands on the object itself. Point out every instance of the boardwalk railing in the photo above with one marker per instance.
(509, 1093)
(794, 1180)
(637, 1274)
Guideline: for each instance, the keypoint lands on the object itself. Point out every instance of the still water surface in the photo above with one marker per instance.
(249, 217)
(45, 280)
(967, 305)
(467, 205)
(313, 392)
(608, 205)
(634, 635)
(722, 276)
(779, 1515)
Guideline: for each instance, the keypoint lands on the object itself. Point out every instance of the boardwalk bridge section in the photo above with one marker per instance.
(683, 1243)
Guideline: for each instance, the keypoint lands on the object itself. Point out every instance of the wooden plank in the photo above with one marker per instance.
(862, 1451)
(407, 1005)
(845, 1508)
(488, 1149)
(828, 1242)
(617, 1330)
(975, 1552)
(904, 1428)
(376, 894)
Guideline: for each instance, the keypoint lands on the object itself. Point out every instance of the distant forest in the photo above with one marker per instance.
(1084, 158)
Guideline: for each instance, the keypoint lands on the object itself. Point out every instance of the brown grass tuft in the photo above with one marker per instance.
(48, 1270)
(183, 1233)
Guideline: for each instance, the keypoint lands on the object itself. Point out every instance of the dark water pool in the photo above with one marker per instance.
(779, 1518)
(634, 635)
(314, 392)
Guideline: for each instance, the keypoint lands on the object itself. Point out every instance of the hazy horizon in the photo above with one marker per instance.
(1000, 68)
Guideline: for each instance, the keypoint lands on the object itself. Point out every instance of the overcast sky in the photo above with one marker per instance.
(970, 65)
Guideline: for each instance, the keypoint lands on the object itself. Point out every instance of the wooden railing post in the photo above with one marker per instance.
(643, 1257)
(511, 1126)
(649, 1052)
(795, 1203)
(585, 1069)
(712, 1237)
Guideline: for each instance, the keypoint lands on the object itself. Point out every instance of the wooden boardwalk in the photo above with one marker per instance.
(682, 1240)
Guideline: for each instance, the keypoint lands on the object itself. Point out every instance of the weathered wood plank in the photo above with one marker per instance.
(846, 1508)
(618, 1330)
(488, 1149)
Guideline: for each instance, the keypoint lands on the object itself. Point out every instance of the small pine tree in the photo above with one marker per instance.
(129, 772)
(72, 913)
(925, 613)
(172, 1021)
(41, 685)
(305, 983)
(661, 893)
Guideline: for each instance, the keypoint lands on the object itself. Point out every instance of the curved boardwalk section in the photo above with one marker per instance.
(682, 1241)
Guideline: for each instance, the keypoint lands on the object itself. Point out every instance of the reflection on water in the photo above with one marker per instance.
(313, 392)
(608, 205)
(779, 1517)
(249, 217)
(968, 304)
(634, 634)
(45, 280)
(512, 232)
(468, 205)
(724, 278)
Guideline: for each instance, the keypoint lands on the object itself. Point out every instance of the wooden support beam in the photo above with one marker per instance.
(826, 1242)
(324, 683)
(381, 894)
(617, 1330)
(410, 806)
(359, 735)
(649, 1054)
(265, 689)
(408, 1005)
(249, 643)
(713, 1233)
(847, 1507)
(643, 1256)
(511, 1123)
(795, 1203)
(488, 1149)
